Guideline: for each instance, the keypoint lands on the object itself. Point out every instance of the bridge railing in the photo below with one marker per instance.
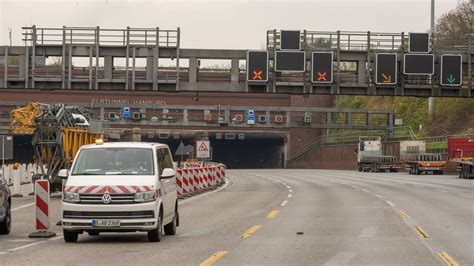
(99, 36)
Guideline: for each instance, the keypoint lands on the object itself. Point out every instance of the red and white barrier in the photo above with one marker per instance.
(42, 219)
(191, 180)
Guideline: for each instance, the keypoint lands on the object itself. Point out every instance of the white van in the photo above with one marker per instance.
(120, 187)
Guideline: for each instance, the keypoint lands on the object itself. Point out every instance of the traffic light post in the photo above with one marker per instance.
(451, 70)
(257, 66)
(322, 67)
(386, 69)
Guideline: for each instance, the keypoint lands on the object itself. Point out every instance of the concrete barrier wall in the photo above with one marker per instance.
(25, 172)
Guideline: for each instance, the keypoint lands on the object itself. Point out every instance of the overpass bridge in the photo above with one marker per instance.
(354, 63)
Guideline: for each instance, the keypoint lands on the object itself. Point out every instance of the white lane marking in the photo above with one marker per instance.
(342, 258)
(290, 190)
(390, 203)
(284, 184)
(19, 240)
(467, 196)
(365, 190)
(283, 204)
(355, 186)
(34, 244)
(290, 195)
(378, 196)
(24, 206)
(288, 187)
(3, 252)
(205, 194)
(441, 190)
(417, 186)
(368, 232)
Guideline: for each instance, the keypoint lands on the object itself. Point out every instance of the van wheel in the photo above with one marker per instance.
(6, 225)
(170, 229)
(156, 234)
(70, 237)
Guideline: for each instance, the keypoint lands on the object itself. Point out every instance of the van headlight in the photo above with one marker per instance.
(70, 197)
(145, 196)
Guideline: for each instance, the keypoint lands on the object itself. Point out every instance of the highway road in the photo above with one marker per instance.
(282, 217)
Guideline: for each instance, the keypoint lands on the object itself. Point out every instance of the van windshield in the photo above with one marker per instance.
(114, 161)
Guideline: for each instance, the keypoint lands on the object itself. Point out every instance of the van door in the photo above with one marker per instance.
(168, 186)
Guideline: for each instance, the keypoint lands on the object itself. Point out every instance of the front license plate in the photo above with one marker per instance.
(106, 223)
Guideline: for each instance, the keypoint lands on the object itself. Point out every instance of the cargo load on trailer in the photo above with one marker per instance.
(461, 151)
(417, 161)
(370, 156)
(58, 132)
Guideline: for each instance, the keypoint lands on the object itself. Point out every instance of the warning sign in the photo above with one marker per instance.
(203, 149)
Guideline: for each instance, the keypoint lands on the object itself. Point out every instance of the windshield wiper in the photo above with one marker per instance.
(85, 173)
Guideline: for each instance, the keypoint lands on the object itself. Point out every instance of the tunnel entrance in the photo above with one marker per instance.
(254, 150)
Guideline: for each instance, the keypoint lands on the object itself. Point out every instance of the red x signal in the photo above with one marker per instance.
(257, 75)
(322, 76)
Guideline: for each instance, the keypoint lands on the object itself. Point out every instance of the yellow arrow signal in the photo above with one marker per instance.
(386, 79)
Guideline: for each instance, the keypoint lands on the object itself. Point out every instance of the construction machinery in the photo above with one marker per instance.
(370, 156)
(461, 152)
(418, 161)
(58, 132)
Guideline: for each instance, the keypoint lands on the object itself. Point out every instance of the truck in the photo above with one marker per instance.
(370, 156)
(461, 152)
(57, 131)
(417, 161)
(120, 187)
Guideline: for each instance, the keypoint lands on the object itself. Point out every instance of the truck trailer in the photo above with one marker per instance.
(417, 161)
(461, 151)
(370, 156)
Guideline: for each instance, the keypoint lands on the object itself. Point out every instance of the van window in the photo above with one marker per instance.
(114, 161)
(164, 160)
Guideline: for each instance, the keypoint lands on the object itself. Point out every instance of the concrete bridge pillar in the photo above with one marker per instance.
(234, 78)
(361, 71)
(193, 70)
(108, 66)
(149, 68)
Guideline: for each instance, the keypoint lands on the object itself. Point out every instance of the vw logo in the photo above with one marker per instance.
(106, 198)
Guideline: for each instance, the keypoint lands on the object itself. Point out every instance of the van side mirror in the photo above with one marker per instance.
(63, 173)
(167, 173)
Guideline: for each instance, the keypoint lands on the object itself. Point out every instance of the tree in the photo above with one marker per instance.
(454, 27)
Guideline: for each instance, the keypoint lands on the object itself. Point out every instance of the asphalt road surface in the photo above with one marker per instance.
(282, 217)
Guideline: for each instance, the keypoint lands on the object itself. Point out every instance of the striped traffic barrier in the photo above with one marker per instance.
(179, 182)
(42, 219)
(189, 176)
(185, 183)
(196, 180)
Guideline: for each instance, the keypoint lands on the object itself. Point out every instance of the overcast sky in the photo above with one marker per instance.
(225, 23)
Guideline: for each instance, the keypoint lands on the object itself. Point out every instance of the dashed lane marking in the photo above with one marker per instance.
(390, 203)
(378, 196)
(290, 195)
(24, 206)
(273, 214)
(404, 215)
(417, 186)
(365, 190)
(446, 258)
(290, 190)
(467, 196)
(342, 258)
(441, 190)
(213, 259)
(421, 232)
(251, 231)
(32, 244)
(283, 204)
